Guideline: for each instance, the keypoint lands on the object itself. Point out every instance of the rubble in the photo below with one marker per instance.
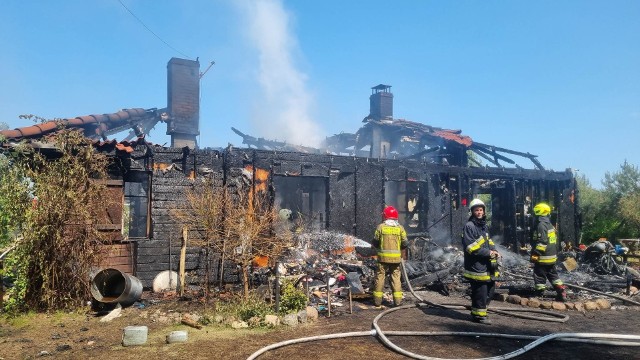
(333, 268)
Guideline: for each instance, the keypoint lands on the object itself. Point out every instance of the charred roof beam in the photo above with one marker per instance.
(264, 144)
(526, 155)
(491, 152)
(482, 155)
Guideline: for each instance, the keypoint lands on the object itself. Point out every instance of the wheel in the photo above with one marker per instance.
(606, 264)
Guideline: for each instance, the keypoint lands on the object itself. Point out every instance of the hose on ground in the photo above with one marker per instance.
(540, 340)
(537, 340)
(591, 338)
(574, 286)
(549, 316)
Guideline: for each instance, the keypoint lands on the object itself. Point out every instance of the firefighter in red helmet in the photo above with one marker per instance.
(390, 239)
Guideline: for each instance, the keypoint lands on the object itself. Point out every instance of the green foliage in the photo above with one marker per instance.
(620, 190)
(3, 126)
(614, 211)
(292, 300)
(241, 308)
(631, 210)
(474, 159)
(16, 274)
(253, 307)
(591, 203)
(50, 211)
(14, 199)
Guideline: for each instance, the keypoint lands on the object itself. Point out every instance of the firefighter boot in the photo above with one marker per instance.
(539, 290)
(561, 293)
(481, 320)
(397, 299)
(377, 299)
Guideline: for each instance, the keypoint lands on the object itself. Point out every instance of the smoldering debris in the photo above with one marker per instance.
(331, 266)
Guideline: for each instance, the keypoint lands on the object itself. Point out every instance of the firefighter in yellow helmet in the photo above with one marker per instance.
(480, 261)
(544, 254)
(390, 239)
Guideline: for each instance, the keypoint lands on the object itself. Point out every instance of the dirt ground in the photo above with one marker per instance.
(83, 336)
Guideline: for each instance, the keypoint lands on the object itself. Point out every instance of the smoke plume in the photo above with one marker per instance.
(284, 110)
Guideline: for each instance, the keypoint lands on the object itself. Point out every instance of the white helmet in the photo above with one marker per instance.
(477, 202)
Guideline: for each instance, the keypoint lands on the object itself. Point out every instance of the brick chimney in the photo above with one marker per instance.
(381, 102)
(183, 102)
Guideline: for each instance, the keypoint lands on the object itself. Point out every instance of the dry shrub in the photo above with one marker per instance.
(204, 216)
(252, 222)
(238, 224)
(60, 241)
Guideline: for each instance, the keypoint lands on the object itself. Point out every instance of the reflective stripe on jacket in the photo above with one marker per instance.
(477, 246)
(390, 238)
(547, 242)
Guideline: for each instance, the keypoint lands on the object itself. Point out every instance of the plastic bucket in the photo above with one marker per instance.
(114, 286)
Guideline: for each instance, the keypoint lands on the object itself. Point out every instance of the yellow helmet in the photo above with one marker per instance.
(542, 209)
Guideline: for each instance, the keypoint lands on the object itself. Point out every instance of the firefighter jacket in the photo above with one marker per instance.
(546, 247)
(477, 246)
(390, 238)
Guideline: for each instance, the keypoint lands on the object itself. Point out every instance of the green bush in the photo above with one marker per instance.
(243, 309)
(253, 307)
(292, 299)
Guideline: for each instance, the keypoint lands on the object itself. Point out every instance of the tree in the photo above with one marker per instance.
(622, 192)
(614, 211)
(630, 209)
(594, 223)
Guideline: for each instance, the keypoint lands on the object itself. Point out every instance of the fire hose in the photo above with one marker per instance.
(591, 338)
(553, 317)
(574, 286)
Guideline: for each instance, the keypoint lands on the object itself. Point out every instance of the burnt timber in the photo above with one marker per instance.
(346, 194)
(427, 173)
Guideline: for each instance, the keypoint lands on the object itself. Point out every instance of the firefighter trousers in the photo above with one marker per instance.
(542, 273)
(396, 286)
(481, 295)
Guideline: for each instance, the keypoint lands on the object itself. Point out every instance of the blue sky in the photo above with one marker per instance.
(559, 79)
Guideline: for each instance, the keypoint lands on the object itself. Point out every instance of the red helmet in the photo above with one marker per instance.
(390, 213)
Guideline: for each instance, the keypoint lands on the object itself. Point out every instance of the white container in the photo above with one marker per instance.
(134, 335)
(177, 337)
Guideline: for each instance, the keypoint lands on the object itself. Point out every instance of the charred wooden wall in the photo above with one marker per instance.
(355, 197)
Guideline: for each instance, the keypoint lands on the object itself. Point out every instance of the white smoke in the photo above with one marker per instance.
(284, 113)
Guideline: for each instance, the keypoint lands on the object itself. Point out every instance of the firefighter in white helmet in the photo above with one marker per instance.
(480, 261)
(544, 254)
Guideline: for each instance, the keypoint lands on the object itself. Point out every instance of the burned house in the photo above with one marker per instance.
(429, 174)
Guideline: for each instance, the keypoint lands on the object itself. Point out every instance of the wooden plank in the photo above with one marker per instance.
(183, 254)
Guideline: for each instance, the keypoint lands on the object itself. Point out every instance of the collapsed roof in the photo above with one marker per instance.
(403, 139)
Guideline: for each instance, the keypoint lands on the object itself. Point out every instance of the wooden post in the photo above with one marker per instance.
(183, 256)
(224, 243)
(328, 295)
(350, 299)
(277, 288)
(1, 284)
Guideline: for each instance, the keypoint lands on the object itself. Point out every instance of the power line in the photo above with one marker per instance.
(151, 31)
